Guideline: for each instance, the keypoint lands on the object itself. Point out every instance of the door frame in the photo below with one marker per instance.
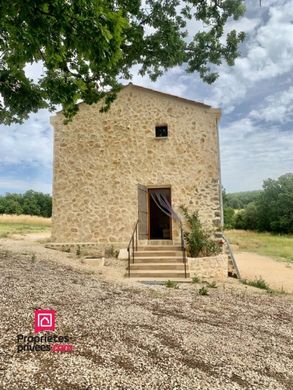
(166, 187)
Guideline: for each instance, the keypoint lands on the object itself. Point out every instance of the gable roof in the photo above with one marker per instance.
(167, 94)
(216, 111)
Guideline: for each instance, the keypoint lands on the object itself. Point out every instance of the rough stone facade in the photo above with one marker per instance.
(212, 268)
(100, 158)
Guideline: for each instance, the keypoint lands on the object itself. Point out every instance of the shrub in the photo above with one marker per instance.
(229, 218)
(258, 283)
(203, 291)
(240, 220)
(248, 218)
(171, 284)
(195, 279)
(198, 240)
(212, 284)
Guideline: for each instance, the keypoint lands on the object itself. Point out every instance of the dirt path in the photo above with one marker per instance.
(277, 274)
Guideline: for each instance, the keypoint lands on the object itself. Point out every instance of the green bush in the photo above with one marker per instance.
(195, 279)
(258, 283)
(198, 240)
(212, 284)
(203, 291)
(247, 219)
(229, 218)
(240, 220)
(171, 284)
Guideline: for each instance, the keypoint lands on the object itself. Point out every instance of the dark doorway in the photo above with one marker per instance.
(159, 222)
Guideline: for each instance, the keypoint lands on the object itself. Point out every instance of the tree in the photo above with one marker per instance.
(31, 203)
(251, 221)
(85, 46)
(272, 209)
(229, 218)
(10, 205)
(275, 205)
(239, 200)
(240, 220)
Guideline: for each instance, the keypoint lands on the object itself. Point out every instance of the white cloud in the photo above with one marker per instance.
(174, 81)
(244, 24)
(27, 143)
(252, 152)
(277, 108)
(34, 71)
(268, 53)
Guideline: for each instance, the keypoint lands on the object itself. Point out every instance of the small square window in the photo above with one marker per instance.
(162, 131)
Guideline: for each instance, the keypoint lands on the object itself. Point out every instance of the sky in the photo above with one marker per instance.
(256, 98)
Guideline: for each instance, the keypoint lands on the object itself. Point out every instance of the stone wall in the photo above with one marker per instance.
(100, 158)
(211, 268)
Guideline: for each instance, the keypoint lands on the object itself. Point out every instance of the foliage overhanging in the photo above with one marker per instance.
(86, 46)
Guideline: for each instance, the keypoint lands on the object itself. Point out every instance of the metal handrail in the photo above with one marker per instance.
(232, 256)
(183, 247)
(131, 245)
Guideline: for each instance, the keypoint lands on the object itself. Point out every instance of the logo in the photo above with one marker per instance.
(44, 320)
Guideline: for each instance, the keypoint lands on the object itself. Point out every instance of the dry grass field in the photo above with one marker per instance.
(279, 247)
(23, 224)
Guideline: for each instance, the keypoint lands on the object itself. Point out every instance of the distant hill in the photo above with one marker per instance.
(239, 200)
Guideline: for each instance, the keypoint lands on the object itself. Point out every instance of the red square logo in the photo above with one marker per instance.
(44, 320)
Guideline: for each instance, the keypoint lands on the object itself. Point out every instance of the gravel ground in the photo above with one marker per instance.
(132, 336)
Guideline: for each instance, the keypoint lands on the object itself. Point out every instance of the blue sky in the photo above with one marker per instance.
(256, 98)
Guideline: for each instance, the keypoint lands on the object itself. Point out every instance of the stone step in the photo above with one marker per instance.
(156, 266)
(157, 253)
(162, 259)
(157, 260)
(158, 274)
(156, 242)
(159, 248)
(161, 281)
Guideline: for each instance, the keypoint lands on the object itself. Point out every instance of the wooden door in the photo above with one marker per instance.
(142, 212)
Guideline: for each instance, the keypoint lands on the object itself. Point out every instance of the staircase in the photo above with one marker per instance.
(158, 260)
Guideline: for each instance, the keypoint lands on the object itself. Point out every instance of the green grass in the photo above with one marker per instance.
(258, 283)
(203, 291)
(7, 229)
(263, 285)
(277, 246)
(195, 279)
(211, 284)
(171, 284)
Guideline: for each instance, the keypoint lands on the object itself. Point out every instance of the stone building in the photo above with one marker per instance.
(109, 167)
